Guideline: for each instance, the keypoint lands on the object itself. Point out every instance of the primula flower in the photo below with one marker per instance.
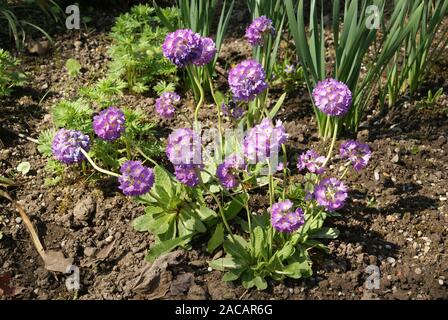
(182, 47)
(109, 124)
(312, 161)
(331, 193)
(165, 104)
(264, 140)
(284, 219)
(247, 80)
(135, 178)
(208, 52)
(227, 171)
(184, 147)
(188, 174)
(358, 153)
(332, 97)
(259, 28)
(67, 144)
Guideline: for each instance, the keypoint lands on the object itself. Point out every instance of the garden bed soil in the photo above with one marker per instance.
(396, 219)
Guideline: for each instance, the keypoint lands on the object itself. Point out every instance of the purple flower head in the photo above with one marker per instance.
(331, 193)
(312, 161)
(187, 174)
(256, 31)
(332, 97)
(290, 68)
(232, 110)
(184, 147)
(182, 47)
(135, 179)
(284, 219)
(67, 143)
(247, 80)
(358, 153)
(165, 104)
(264, 140)
(208, 52)
(109, 124)
(227, 171)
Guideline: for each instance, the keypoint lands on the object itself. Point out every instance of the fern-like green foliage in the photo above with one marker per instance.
(104, 92)
(10, 74)
(75, 115)
(45, 140)
(136, 51)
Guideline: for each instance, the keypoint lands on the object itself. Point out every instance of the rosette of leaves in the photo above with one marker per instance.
(136, 51)
(288, 255)
(10, 74)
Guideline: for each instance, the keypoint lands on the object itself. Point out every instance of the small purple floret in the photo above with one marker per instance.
(332, 97)
(358, 153)
(331, 193)
(109, 124)
(247, 80)
(258, 29)
(283, 219)
(311, 161)
(135, 178)
(67, 144)
(166, 104)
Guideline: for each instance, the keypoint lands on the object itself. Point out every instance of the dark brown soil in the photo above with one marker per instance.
(397, 217)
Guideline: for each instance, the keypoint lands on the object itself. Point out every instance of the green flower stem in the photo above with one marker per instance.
(335, 134)
(285, 176)
(271, 201)
(201, 99)
(218, 109)
(221, 211)
(345, 171)
(249, 218)
(110, 173)
(127, 142)
(145, 156)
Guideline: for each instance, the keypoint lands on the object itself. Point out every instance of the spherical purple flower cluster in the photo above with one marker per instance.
(247, 80)
(332, 97)
(184, 147)
(135, 178)
(264, 140)
(331, 193)
(312, 161)
(165, 104)
(227, 171)
(188, 174)
(358, 153)
(284, 219)
(109, 124)
(208, 52)
(67, 144)
(256, 31)
(183, 47)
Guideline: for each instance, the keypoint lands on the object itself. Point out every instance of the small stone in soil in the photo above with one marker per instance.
(418, 271)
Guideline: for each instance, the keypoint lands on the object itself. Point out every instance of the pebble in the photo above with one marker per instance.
(395, 158)
(418, 271)
(419, 233)
(441, 282)
(391, 260)
(110, 239)
(18, 220)
(391, 218)
(388, 246)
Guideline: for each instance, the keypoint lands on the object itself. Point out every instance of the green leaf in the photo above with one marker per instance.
(232, 275)
(141, 223)
(237, 248)
(163, 183)
(259, 242)
(24, 167)
(277, 106)
(260, 283)
(73, 67)
(165, 247)
(206, 214)
(223, 264)
(232, 209)
(325, 233)
(217, 238)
